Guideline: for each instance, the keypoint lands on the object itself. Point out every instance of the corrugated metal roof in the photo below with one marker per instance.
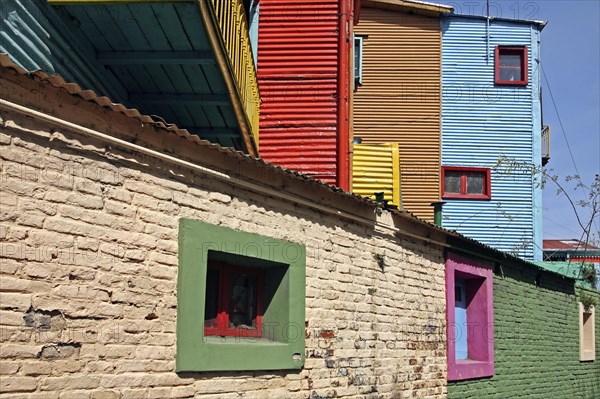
(429, 3)
(541, 24)
(568, 244)
(410, 5)
(89, 95)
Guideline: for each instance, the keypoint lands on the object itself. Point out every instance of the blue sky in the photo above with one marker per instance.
(571, 59)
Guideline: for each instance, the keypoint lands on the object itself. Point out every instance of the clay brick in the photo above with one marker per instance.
(118, 208)
(219, 197)
(17, 384)
(4, 139)
(8, 368)
(150, 190)
(15, 301)
(68, 383)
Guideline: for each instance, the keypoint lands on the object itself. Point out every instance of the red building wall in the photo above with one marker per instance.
(299, 80)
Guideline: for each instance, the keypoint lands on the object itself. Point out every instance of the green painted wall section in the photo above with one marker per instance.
(284, 263)
(536, 342)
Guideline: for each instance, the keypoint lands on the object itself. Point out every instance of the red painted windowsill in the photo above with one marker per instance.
(469, 197)
(511, 82)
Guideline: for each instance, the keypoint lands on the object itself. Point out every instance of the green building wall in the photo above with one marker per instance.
(536, 341)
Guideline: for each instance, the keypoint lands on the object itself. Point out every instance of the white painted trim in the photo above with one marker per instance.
(588, 355)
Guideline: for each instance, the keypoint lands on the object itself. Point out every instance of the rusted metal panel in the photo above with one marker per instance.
(298, 72)
(376, 168)
(399, 99)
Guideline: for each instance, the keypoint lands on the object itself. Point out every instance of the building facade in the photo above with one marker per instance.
(101, 240)
(397, 99)
(193, 73)
(138, 260)
(111, 245)
(461, 97)
(304, 69)
(540, 340)
(492, 132)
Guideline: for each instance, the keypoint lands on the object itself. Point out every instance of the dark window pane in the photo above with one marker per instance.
(475, 183)
(242, 312)
(211, 302)
(457, 293)
(510, 60)
(452, 182)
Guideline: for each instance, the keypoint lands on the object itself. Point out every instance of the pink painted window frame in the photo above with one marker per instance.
(480, 316)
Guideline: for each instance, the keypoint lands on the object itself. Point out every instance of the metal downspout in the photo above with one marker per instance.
(343, 134)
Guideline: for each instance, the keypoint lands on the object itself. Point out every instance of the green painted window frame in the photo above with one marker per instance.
(282, 345)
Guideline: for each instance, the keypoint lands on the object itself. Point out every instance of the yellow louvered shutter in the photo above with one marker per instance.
(376, 168)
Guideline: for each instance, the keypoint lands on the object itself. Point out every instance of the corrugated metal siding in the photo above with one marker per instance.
(376, 168)
(399, 100)
(69, 39)
(233, 27)
(297, 72)
(481, 122)
(32, 33)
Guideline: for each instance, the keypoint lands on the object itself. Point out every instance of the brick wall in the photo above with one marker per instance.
(536, 342)
(89, 268)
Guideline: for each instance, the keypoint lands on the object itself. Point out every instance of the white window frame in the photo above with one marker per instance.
(358, 80)
(588, 355)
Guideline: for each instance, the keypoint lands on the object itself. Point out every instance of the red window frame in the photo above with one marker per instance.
(464, 171)
(223, 329)
(520, 50)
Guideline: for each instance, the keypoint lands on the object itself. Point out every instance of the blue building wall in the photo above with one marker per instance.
(483, 122)
(32, 33)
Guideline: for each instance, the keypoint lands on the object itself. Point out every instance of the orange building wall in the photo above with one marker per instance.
(399, 100)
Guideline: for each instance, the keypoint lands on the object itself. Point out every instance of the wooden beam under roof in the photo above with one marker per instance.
(67, 2)
(154, 57)
(180, 99)
(213, 131)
